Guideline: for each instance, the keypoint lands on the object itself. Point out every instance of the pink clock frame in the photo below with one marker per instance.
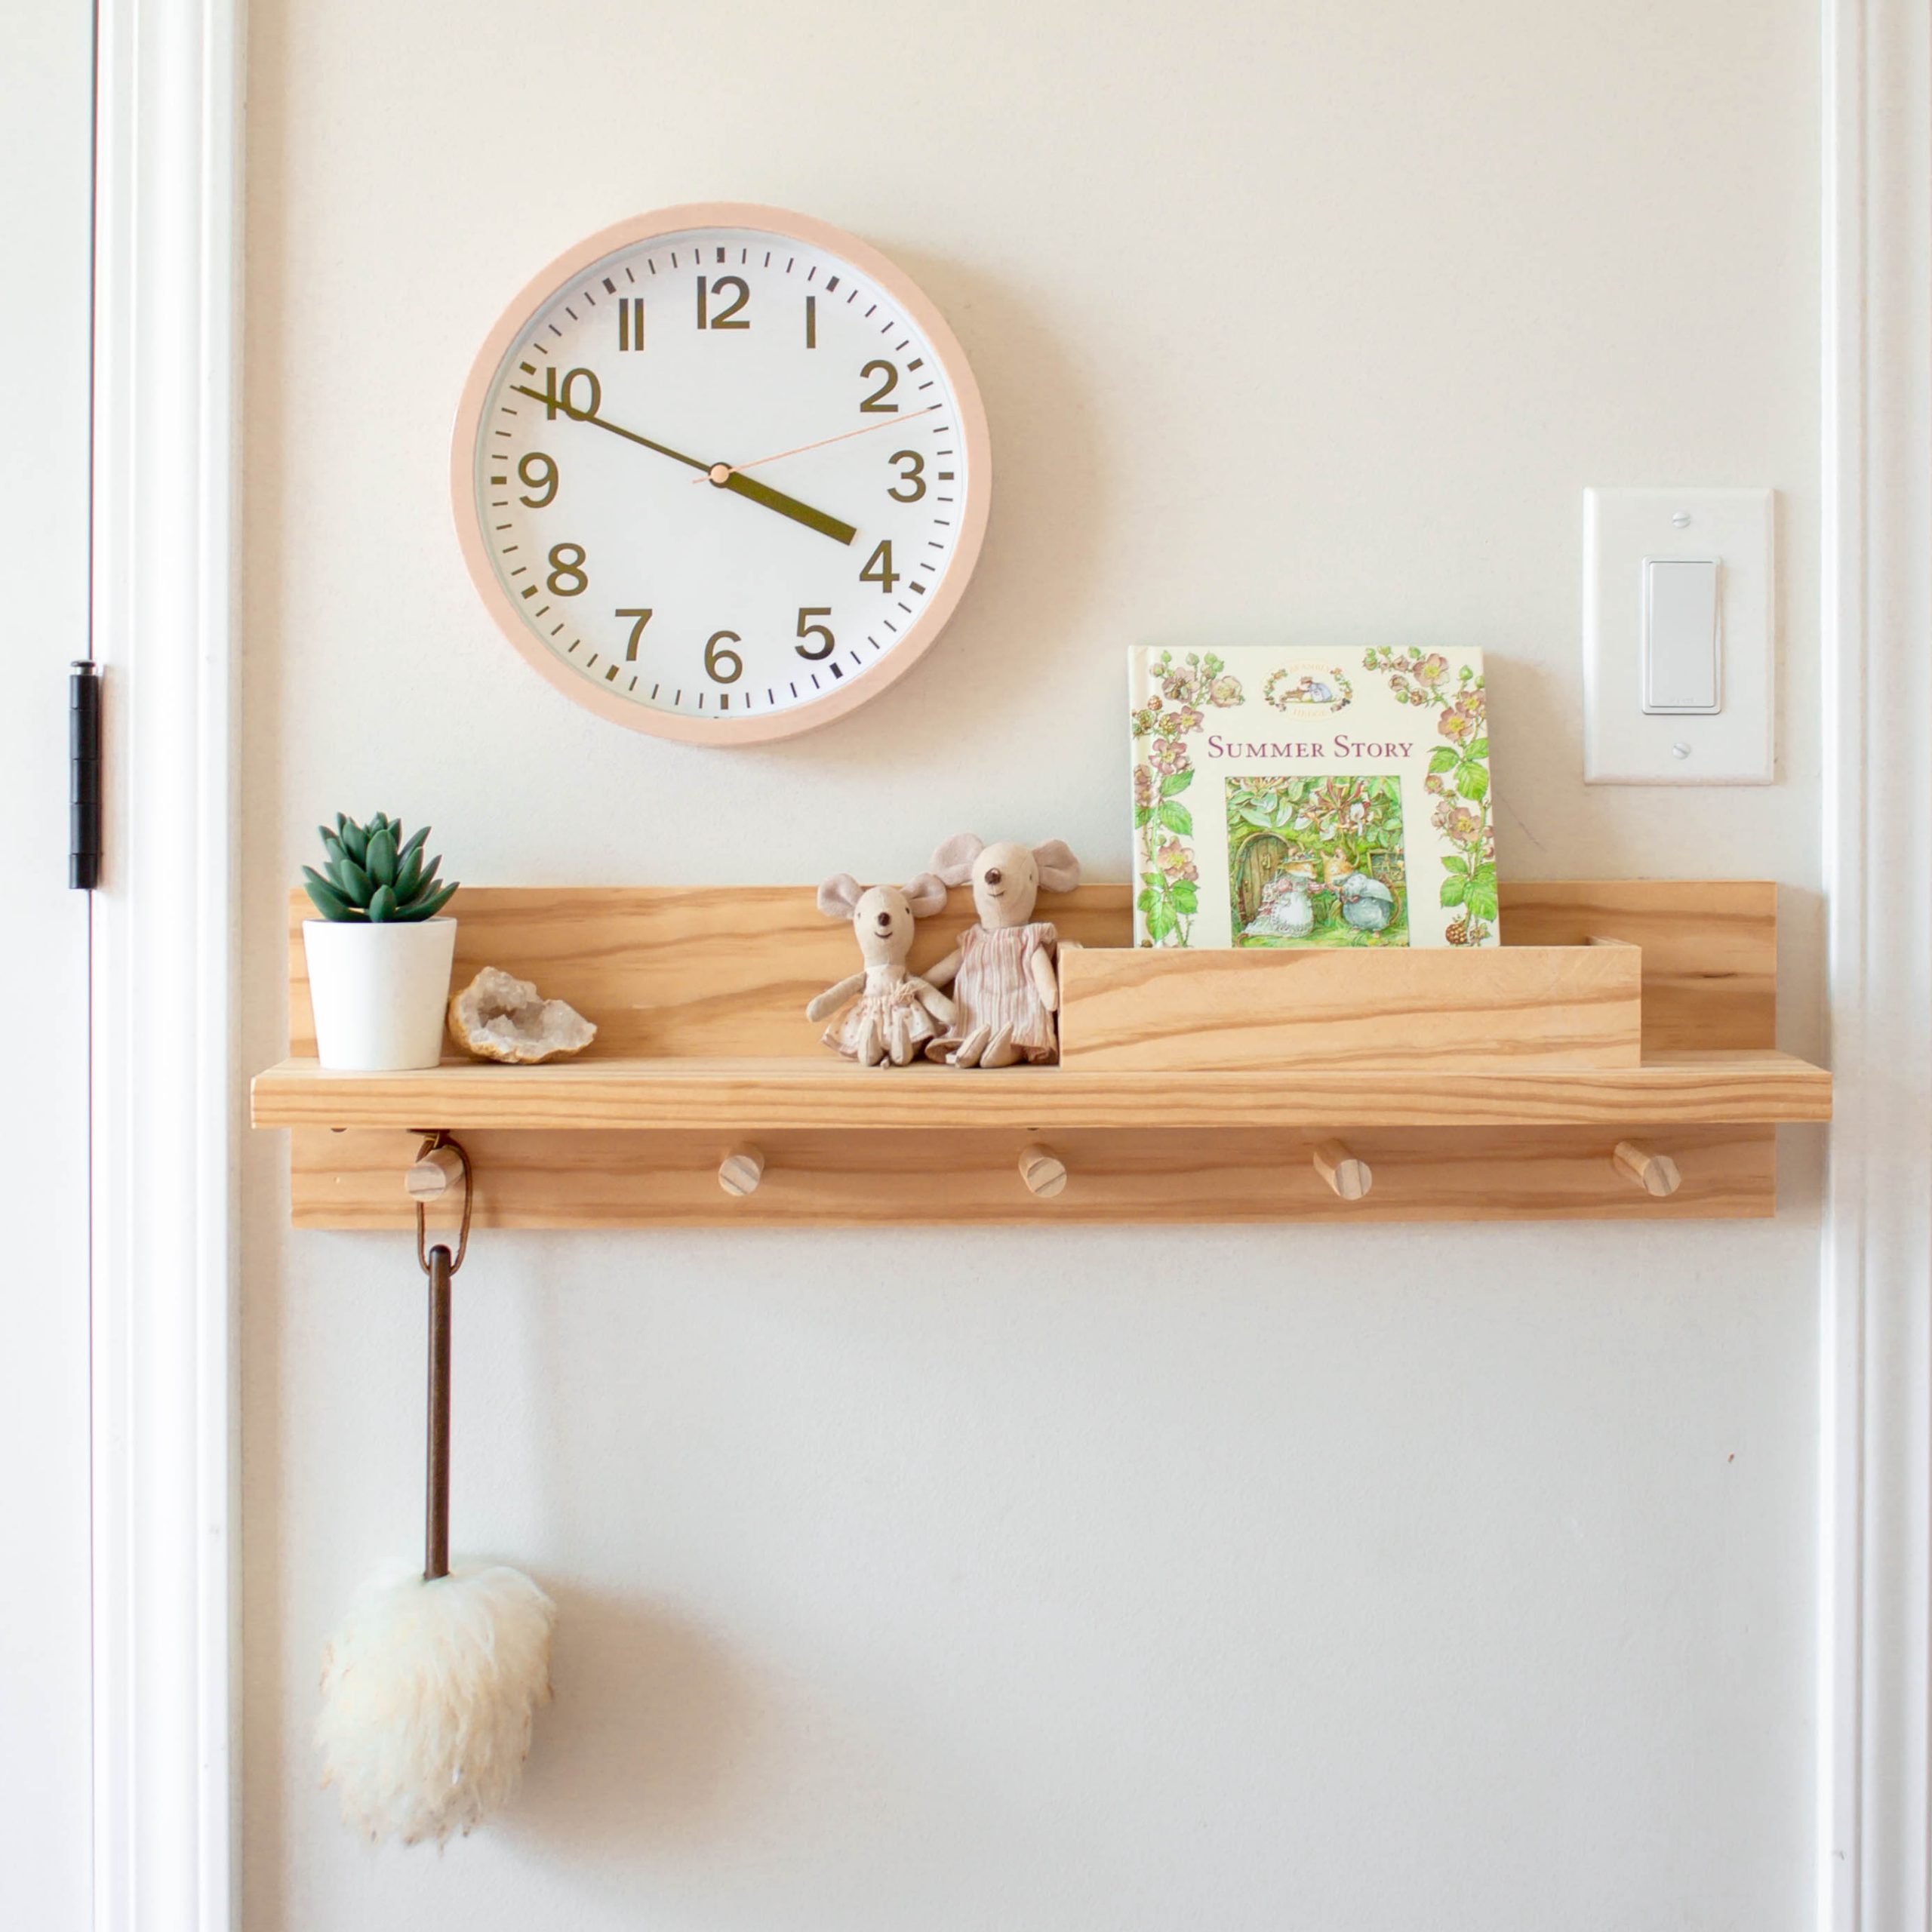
(933, 616)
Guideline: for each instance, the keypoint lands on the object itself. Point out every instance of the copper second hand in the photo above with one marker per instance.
(863, 429)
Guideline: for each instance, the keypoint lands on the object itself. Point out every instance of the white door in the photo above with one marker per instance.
(46, 90)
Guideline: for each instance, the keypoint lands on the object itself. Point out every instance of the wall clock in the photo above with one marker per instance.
(720, 473)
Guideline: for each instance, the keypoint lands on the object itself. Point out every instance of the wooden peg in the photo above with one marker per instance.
(1349, 1177)
(438, 1173)
(1043, 1170)
(740, 1171)
(1654, 1173)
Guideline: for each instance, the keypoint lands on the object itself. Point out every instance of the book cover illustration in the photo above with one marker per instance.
(1280, 800)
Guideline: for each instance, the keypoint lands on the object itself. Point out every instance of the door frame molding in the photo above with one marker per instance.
(1874, 1555)
(168, 93)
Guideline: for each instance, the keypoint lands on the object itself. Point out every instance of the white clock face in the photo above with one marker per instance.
(720, 481)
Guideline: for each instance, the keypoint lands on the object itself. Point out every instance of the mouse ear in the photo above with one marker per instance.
(838, 896)
(1059, 870)
(925, 895)
(953, 861)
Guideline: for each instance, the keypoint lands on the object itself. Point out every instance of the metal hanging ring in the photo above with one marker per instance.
(439, 1138)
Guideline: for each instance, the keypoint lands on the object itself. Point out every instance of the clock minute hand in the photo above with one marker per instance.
(743, 486)
(629, 435)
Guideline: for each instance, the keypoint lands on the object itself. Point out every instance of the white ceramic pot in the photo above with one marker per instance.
(378, 991)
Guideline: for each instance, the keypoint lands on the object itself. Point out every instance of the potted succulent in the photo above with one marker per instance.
(379, 957)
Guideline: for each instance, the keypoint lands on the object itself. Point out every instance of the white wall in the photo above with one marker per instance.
(1086, 1581)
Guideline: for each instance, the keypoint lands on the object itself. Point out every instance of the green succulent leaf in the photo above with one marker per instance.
(351, 881)
(323, 896)
(381, 857)
(428, 908)
(414, 843)
(382, 904)
(354, 840)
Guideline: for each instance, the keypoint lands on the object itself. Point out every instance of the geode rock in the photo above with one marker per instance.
(499, 1016)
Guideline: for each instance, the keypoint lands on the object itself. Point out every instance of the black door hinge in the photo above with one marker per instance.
(83, 777)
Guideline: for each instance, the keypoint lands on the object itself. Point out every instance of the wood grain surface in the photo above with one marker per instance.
(703, 972)
(1518, 1006)
(831, 1094)
(551, 1179)
(699, 994)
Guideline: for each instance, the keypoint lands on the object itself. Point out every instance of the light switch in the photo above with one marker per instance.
(1681, 638)
(1679, 663)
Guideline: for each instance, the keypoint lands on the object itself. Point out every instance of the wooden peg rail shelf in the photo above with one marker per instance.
(1614, 1059)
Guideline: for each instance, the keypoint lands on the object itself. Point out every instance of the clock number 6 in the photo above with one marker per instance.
(806, 630)
(637, 631)
(714, 658)
(878, 568)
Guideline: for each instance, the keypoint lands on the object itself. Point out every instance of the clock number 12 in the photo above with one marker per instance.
(727, 317)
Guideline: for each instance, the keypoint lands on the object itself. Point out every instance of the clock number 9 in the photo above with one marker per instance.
(915, 476)
(540, 473)
(564, 398)
(805, 629)
(876, 401)
(714, 658)
(567, 561)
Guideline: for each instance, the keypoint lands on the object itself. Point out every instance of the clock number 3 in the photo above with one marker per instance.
(911, 484)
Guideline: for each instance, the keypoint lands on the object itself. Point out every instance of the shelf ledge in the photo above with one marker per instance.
(750, 1095)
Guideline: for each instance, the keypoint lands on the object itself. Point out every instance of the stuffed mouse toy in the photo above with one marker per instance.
(1001, 972)
(893, 1013)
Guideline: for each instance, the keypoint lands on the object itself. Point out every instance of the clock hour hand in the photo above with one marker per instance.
(743, 486)
(740, 484)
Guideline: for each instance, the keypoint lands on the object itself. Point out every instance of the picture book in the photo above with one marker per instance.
(1287, 798)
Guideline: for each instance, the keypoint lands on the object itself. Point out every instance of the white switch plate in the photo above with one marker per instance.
(1623, 743)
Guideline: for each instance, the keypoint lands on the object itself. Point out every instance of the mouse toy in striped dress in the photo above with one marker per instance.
(1002, 972)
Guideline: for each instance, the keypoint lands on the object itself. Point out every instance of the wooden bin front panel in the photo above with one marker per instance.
(1415, 1007)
